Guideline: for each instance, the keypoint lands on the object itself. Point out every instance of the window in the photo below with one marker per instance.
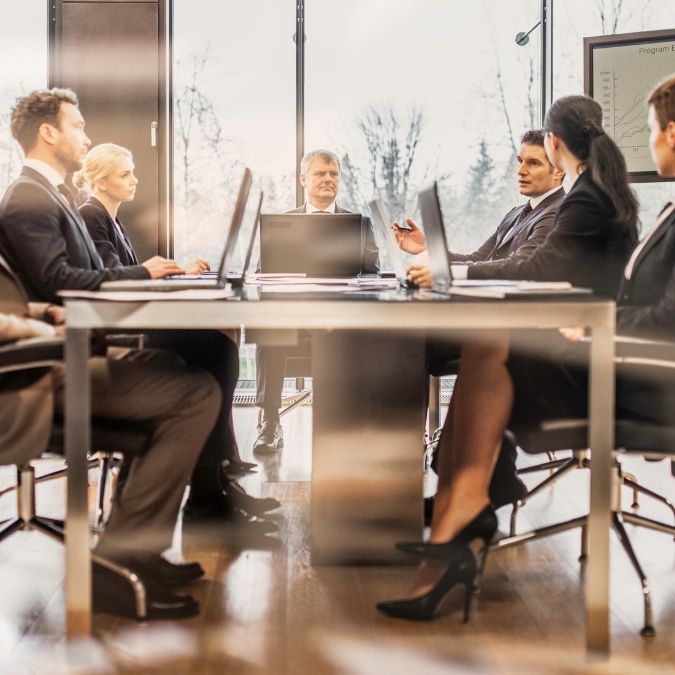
(23, 36)
(576, 19)
(234, 106)
(446, 100)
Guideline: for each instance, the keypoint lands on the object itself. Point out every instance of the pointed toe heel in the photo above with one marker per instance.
(462, 571)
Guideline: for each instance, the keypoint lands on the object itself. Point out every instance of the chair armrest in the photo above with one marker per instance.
(630, 350)
(30, 353)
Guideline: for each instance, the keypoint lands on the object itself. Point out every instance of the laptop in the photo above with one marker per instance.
(441, 272)
(181, 282)
(317, 245)
(382, 222)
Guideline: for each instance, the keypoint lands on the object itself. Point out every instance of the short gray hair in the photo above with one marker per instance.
(325, 155)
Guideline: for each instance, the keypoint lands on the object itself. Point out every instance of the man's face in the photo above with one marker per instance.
(321, 182)
(661, 144)
(536, 176)
(71, 143)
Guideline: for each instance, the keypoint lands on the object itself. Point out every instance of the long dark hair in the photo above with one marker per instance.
(577, 120)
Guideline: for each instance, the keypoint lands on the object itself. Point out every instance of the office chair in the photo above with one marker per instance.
(37, 356)
(632, 436)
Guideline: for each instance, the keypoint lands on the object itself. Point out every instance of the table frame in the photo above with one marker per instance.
(333, 314)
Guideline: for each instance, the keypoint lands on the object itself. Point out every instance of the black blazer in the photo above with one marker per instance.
(586, 246)
(110, 238)
(370, 262)
(647, 299)
(531, 233)
(46, 243)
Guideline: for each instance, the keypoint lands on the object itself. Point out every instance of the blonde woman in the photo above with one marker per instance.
(108, 175)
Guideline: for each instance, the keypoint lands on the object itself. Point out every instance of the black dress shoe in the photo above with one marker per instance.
(153, 567)
(252, 505)
(505, 486)
(237, 467)
(165, 573)
(270, 439)
(224, 516)
(113, 594)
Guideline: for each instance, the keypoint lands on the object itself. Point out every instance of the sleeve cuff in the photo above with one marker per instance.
(459, 271)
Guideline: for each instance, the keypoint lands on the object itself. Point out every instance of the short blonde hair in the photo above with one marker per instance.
(99, 163)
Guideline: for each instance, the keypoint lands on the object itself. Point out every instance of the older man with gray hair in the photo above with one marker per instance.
(320, 177)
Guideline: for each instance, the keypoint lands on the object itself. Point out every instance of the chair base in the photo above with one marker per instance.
(618, 520)
(54, 528)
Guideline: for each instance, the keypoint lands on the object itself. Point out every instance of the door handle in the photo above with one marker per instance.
(153, 135)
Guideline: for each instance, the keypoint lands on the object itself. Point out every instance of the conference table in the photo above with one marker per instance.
(368, 388)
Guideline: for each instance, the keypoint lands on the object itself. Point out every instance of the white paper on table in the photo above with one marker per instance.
(274, 275)
(328, 281)
(144, 296)
(309, 288)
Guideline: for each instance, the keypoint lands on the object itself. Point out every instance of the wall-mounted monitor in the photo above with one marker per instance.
(619, 73)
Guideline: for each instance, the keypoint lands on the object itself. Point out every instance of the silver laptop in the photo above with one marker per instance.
(220, 280)
(382, 222)
(441, 272)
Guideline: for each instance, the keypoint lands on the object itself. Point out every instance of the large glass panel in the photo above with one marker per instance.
(575, 19)
(234, 106)
(424, 90)
(23, 67)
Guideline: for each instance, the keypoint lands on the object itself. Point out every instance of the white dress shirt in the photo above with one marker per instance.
(310, 208)
(650, 233)
(49, 172)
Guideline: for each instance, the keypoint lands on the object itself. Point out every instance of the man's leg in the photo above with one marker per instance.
(270, 366)
(182, 404)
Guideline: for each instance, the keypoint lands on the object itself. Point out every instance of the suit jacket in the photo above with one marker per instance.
(370, 261)
(647, 299)
(110, 238)
(586, 246)
(47, 244)
(530, 234)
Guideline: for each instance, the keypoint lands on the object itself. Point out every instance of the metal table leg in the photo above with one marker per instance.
(367, 450)
(77, 442)
(601, 441)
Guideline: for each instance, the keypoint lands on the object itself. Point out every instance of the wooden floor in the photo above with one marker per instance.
(267, 610)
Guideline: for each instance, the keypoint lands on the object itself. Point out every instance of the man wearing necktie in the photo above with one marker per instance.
(320, 177)
(45, 241)
(521, 230)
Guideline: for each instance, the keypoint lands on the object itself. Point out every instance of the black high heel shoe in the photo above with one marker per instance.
(423, 608)
(482, 527)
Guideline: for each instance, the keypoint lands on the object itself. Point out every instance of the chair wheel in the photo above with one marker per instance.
(648, 631)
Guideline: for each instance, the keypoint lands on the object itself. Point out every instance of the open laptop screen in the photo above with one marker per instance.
(229, 251)
(437, 244)
(317, 245)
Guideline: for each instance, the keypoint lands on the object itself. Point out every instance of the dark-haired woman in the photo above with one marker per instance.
(593, 236)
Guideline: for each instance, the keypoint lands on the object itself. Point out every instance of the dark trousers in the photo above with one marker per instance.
(215, 352)
(270, 367)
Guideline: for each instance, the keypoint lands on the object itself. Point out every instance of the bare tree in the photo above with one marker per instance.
(614, 13)
(392, 139)
(199, 131)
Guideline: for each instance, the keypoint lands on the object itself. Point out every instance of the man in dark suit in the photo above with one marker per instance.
(320, 176)
(522, 230)
(179, 403)
(45, 241)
